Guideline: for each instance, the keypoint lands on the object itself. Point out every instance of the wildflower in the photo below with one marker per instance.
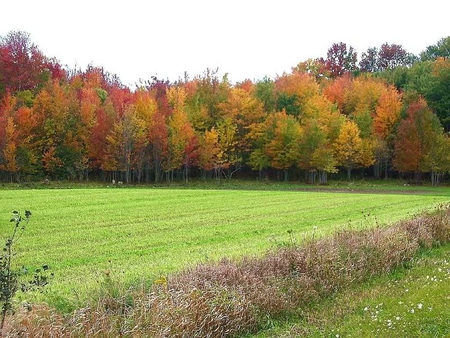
(412, 311)
(419, 306)
(397, 318)
(366, 308)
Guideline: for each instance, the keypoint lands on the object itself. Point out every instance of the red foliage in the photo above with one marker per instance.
(21, 62)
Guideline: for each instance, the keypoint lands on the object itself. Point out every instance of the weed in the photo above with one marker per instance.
(9, 276)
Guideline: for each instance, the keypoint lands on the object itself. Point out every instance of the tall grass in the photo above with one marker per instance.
(231, 298)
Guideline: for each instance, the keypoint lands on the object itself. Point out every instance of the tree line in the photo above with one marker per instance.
(389, 115)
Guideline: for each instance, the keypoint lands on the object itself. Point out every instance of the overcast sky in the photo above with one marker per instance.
(244, 38)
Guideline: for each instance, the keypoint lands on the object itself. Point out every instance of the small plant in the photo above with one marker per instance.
(9, 277)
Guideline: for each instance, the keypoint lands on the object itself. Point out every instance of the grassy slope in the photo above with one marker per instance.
(406, 303)
(147, 232)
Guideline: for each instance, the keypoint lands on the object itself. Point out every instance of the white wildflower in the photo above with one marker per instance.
(419, 306)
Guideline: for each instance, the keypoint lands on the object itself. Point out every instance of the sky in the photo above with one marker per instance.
(247, 39)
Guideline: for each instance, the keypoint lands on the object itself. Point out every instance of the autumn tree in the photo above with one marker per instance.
(209, 151)
(196, 111)
(124, 142)
(315, 67)
(321, 123)
(293, 91)
(284, 147)
(244, 111)
(158, 145)
(385, 120)
(437, 160)
(312, 140)
(337, 90)
(391, 56)
(55, 109)
(211, 91)
(340, 59)
(9, 163)
(419, 144)
(181, 134)
(22, 64)
(369, 60)
(145, 110)
(351, 151)
(229, 156)
(91, 100)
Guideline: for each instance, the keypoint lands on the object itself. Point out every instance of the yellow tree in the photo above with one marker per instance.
(144, 113)
(209, 150)
(321, 122)
(181, 132)
(387, 112)
(244, 110)
(123, 144)
(228, 155)
(385, 121)
(284, 147)
(293, 91)
(350, 150)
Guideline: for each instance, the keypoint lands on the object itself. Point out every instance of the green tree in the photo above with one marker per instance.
(437, 92)
(440, 49)
(265, 93)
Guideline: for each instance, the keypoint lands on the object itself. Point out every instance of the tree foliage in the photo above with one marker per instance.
(326, 114)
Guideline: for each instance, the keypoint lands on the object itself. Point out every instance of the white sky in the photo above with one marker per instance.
(244, 38)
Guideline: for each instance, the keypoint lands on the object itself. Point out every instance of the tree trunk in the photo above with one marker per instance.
(323, 178)
(386, 168)
(377, 169)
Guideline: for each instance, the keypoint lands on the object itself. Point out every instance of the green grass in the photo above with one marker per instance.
(411, 302)
(142, 233)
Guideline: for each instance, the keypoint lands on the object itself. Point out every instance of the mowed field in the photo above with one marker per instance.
(139, 234)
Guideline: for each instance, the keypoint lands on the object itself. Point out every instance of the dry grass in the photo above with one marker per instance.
(228, 299)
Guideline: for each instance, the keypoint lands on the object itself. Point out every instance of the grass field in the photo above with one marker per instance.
(406, 303)
(142, 233)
